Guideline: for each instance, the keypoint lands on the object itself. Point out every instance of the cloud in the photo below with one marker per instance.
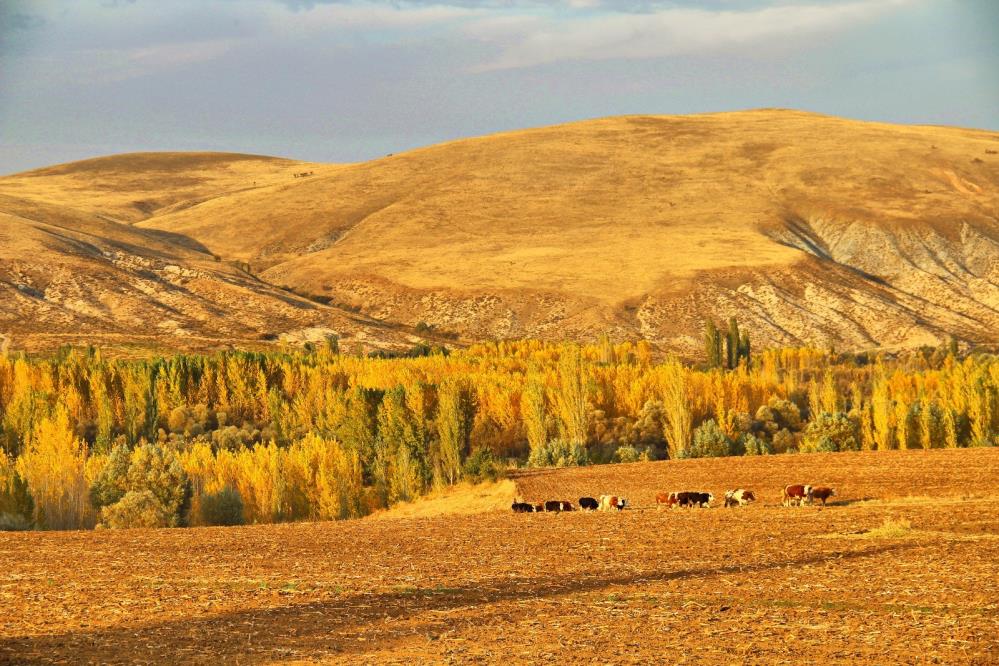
(109, 65)
(533, 40)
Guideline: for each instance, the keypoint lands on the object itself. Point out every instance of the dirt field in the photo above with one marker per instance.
(760, 584)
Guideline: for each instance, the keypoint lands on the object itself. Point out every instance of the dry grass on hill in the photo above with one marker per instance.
(809, 228)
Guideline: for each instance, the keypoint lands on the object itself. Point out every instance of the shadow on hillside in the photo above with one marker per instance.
(342, 626)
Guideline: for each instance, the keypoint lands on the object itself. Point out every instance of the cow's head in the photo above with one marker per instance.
(622, 502)
(711, 498)
(832, 492)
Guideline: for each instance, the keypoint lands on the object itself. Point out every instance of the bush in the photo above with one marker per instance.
(710, 442)
(16, 505)
(755, 446)
(483, 466)
(137, 509)
(627, 454)
(559, 453)
(222, 508)
(112, 483)
(14, 522)
(148, 470)
(829, 432)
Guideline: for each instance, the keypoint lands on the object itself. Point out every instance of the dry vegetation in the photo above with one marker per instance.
(810, 229)
(760, 584)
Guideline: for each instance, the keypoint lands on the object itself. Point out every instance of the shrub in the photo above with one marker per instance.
(559, 453)
(16, 505)
(709, 442)
(158, 470)
(222, 508)
(14, 522)
(829, 432)
(112, 483)
(138, 509)
(148, 470)
(627, 454)
(755, 446)
(482, 465)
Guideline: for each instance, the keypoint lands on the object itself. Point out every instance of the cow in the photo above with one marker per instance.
(553, 505)
(610, 502)
(823, 493)
(665, 499)
(702, 499)
(588, 504)
(796, 494)
(739, 497)
(539, 508)
(690, 499)
(522, 507)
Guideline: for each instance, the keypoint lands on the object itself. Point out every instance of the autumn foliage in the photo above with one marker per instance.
(315, 435)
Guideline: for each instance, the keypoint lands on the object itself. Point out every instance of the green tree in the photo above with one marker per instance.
(710, 441)
(455, 415)
(732, 344)
(402, 460)
(830, 432)
(112, 483)
(712, 344)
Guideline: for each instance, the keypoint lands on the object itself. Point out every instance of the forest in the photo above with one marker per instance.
(313, 434)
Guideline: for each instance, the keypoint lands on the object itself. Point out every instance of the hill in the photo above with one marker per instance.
(73, 270)
(810, 229)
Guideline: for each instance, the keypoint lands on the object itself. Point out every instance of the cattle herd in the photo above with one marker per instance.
(793, 495)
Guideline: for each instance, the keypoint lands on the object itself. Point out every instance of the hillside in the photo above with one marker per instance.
(808, 228)
(73, 271)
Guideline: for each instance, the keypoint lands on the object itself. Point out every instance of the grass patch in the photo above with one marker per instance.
(890, 529)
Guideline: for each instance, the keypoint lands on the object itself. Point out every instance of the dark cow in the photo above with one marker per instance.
(739, 497)
(522, 507)
(798, 493)
(611, 502)
(823, 493)
(539, 507)
(558, 505)
(588, 504)
(690, 499)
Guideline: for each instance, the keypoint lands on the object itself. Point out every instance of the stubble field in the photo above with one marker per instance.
(903, 567)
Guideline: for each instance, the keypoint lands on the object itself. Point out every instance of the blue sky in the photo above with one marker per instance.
(351, 80)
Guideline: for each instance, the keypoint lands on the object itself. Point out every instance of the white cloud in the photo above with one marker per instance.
(534, 40)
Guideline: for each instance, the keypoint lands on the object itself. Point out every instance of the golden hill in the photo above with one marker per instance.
(808, 228)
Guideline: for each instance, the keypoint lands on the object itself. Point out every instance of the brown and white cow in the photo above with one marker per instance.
(739, 497)
(823, 493)
(798, 493)
(667, 500)
(611, 502)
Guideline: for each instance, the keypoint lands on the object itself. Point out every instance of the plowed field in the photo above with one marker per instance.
(903, 567)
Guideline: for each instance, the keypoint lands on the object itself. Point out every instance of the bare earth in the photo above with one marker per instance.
(760, 584)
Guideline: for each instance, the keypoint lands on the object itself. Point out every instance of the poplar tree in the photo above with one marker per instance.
(712, 344)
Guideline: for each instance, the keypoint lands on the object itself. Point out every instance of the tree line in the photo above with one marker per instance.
(237, 437)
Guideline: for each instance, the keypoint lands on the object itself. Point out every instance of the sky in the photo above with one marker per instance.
(344, 81)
